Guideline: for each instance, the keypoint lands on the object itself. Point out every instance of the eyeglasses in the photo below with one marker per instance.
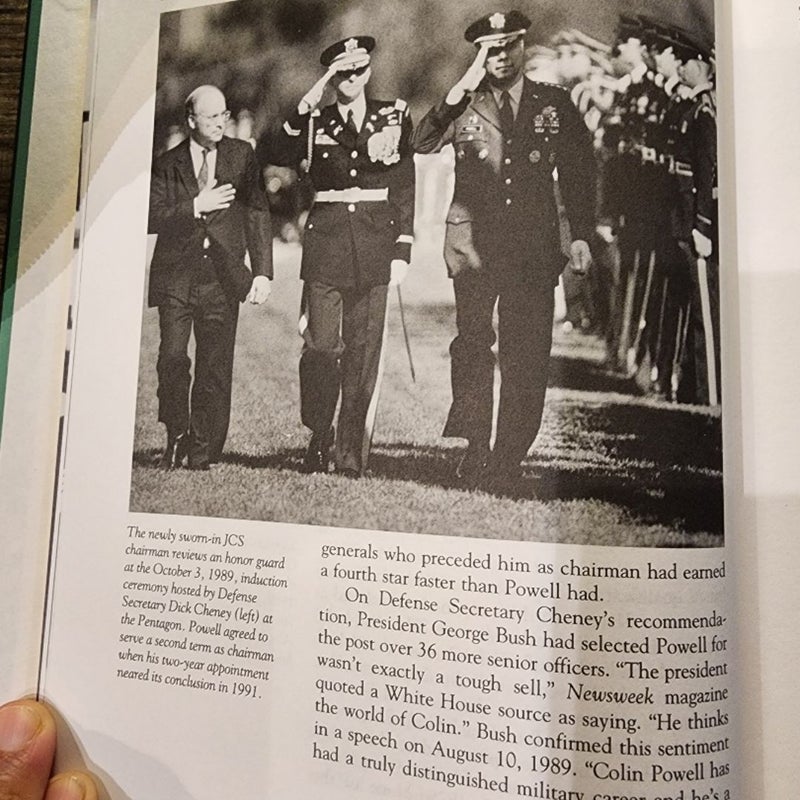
(352, 73)
(223, 116)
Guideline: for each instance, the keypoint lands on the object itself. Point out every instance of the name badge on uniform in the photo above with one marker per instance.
(471, 128)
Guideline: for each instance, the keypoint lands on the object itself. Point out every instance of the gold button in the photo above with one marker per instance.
(353, 173)
(508, 180)
(354, 154)
(351, 208)
(507, 161)
(508, 201)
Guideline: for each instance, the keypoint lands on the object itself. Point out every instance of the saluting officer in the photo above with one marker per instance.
(502, 242)
(358, 236)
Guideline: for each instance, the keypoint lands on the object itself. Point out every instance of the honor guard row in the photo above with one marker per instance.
(659, 197)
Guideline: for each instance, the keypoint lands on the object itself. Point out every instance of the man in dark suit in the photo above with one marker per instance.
(357, 238)
(209, 209)
(502, 243)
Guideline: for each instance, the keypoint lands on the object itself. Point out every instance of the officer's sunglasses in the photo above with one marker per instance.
(352, 73)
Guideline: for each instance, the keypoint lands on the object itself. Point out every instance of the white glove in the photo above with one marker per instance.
(580, 257)
(702, 244)
(399, 271)
(260, 290)
(471, 78)
(606, 233)
(313, 96)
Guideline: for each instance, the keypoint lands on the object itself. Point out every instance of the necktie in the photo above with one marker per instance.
(506, 115)
(351, 123)
(202, 175)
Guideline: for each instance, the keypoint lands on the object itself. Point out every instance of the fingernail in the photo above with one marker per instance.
(67, 787)
(18, 725)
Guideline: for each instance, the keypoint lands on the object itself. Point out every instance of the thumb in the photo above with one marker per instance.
(27, 745)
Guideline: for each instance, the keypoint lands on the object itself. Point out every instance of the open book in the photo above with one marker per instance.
(339, 578)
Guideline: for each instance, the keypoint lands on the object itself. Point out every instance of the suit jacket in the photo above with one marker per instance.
(504, 215)
(231, 233)
(353, 244)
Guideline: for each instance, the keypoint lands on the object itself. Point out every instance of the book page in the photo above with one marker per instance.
(766, 42)
(245, 601)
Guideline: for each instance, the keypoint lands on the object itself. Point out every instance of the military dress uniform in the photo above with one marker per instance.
(361, 219)
(674, 309)
(502, 245)
(697, 145)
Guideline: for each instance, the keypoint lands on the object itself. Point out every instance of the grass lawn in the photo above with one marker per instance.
(609, 466)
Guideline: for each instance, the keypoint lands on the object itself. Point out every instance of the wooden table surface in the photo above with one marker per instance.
(13, 15)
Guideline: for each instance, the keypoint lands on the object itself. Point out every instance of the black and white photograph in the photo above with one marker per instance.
(436, 267)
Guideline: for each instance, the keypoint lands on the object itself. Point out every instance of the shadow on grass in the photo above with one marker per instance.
(674, 498)
(288, 458)
(662, 465)
(575, 373)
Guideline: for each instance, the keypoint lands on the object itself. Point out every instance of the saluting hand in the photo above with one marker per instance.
(472, 77)
(313, 96)
(580, 257)
(214, 198)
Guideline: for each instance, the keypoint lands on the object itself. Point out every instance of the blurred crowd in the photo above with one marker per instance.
(648, 100)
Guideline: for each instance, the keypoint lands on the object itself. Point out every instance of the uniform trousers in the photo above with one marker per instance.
(212, 315)
(342, 341)
(702, 351)
(525, 328)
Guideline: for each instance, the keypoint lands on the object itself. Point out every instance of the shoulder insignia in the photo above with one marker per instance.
(552, 85)
(707, 105)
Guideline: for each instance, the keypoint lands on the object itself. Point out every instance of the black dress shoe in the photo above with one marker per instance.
(175, 452)
(317, 456)
(348, 472)
(472, 464)
(502, 478)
